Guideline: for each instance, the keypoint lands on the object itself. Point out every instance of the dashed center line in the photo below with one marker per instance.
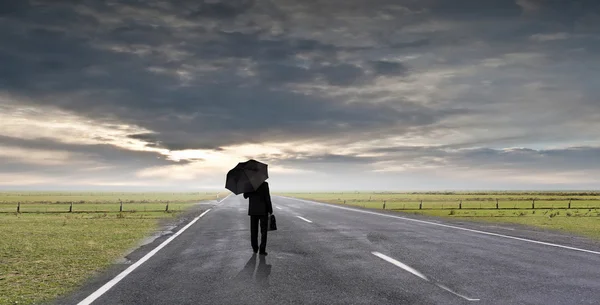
(419, 274)
(456, 294)
(304, 219)
(401, 265)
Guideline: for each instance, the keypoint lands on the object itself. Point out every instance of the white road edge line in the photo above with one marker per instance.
(401, 265)
(304, 219)
(278, 208)
(224, 198)
(92, 297)
(419, 274)
(454, 227)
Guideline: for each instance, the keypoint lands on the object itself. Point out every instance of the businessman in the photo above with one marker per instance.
(259, 210)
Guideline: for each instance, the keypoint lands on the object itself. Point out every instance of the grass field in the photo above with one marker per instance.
(44, 255)
(91, 207)
(551, 209)
(31, 202)
(104, 197)
(436, 201)
(450, 196)
(585, 222)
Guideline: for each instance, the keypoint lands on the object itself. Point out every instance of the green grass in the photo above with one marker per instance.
(91, 207)
(452, 200)
(96, 201)
(585, 222)
(45, 255)
(515, 207)
(450, 196)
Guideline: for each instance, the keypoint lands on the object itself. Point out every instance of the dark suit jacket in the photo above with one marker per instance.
(260, 200)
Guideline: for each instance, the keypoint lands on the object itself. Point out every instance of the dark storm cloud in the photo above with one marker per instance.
(207, 74)
(256, 111)
(515, 159)
(13, 7)
(41, 60)
(330, 163)
(383, 67)
(110, 72)
(343, 75)
(221, 10)
(550, 161)
(474, 9)
(411, 44)
(100, 154)
(278, 73)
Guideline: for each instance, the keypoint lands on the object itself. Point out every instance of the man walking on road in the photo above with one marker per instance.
(259, 209)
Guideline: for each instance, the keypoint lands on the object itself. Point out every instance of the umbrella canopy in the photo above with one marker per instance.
(246, 177)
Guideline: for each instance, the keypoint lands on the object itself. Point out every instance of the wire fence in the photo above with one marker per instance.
(497, 204)
(473, 205)
(37, 208)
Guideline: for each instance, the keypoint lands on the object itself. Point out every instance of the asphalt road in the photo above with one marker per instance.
(326, 254)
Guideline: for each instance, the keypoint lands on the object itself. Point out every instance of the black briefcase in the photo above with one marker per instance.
(272, 223)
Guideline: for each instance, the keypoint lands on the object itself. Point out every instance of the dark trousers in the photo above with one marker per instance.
(254, 220)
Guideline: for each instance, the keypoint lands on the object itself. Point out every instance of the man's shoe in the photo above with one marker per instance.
(255, 250)
(263, 253)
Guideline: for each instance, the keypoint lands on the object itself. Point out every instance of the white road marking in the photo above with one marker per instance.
(454, 227)
(419, 274)
(278, 208)
(456, 294)
(401, 265)
(92, 297)
(225, 198)
(303, 218)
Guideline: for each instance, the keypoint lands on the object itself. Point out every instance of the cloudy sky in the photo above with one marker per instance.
(332, 94)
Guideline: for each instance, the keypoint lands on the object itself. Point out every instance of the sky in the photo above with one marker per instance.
(407, 95)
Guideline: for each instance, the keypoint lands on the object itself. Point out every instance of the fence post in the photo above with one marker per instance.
(533, 204)
(19, 207)
(421, 205)
(167, 208)
(71, 207)
(121, 206)
(496, 203)
(460, 205)
(384, 204)
(569, 203)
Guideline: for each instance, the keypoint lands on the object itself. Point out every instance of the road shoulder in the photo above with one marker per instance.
(165, 229)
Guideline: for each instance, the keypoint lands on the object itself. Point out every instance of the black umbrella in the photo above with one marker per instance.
(246, 177)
